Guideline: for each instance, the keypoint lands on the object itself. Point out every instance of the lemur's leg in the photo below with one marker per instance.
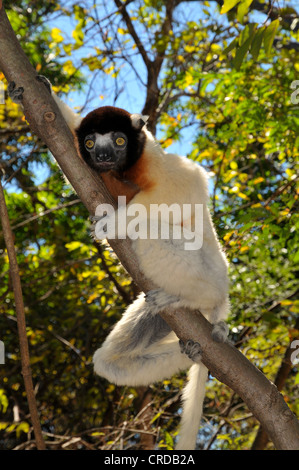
(220, 332)
(141, 349)
(202, 283)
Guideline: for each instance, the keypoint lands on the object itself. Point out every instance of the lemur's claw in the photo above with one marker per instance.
(192, 349)
(95, 218)
(15, 94)
(45, 81)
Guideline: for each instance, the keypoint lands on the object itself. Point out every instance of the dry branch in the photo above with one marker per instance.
(224, 361)
(24, 348)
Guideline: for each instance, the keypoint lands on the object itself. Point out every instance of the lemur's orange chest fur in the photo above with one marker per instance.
(119, 187)
(130, 182)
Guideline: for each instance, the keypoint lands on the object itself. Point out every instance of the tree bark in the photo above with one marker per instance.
(224, 361)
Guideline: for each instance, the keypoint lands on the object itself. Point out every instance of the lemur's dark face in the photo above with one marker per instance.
(111, 139)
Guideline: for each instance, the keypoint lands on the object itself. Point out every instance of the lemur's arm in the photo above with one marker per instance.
(72, 119)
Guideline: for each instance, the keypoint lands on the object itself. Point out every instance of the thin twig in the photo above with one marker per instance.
(46, 212)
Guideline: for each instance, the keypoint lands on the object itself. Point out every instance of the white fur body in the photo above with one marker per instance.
(199, 278)
(72, 119)
(141, 348)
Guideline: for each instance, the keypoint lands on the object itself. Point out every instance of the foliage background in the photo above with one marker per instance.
(219, 82)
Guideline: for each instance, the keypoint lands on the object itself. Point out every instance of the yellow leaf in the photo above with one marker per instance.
(228, 235)
(233, 165)
(101, 276)
(56, 36)
(86, 274)
(69, 68)
(244, 248)
(258, 180)
(73, 245)
(205, 153)
(167, 142)
(230, 175)
(110, 388)
(228, 5)
(243, 196)
(190, 48)
(92, 297)
(188, 79)
(243, 177)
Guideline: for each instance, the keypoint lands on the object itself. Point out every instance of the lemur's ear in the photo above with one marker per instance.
(138, 121)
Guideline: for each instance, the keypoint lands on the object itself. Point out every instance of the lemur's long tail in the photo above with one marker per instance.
(193, 397)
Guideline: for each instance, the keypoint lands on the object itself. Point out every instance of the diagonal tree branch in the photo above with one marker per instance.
(224, 361)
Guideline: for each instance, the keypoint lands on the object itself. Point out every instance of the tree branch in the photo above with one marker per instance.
(126, 17)
(224, 361)
(21, 322)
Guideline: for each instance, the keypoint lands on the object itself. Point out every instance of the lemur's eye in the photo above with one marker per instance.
(89, 144)
(120, 141)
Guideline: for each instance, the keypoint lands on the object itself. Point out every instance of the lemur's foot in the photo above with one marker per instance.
(220, 332)
(98, 227)
(96, 218)
(15, 93)
(92, 232)
(160, 299)
(192, 349)
(45, 81)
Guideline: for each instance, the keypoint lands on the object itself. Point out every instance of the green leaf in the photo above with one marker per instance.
(228, 5)
(231, 46)
(241, 52)
(296, 258)
(248, 32)
(243, 9)
(257, 42)
(270, 35)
